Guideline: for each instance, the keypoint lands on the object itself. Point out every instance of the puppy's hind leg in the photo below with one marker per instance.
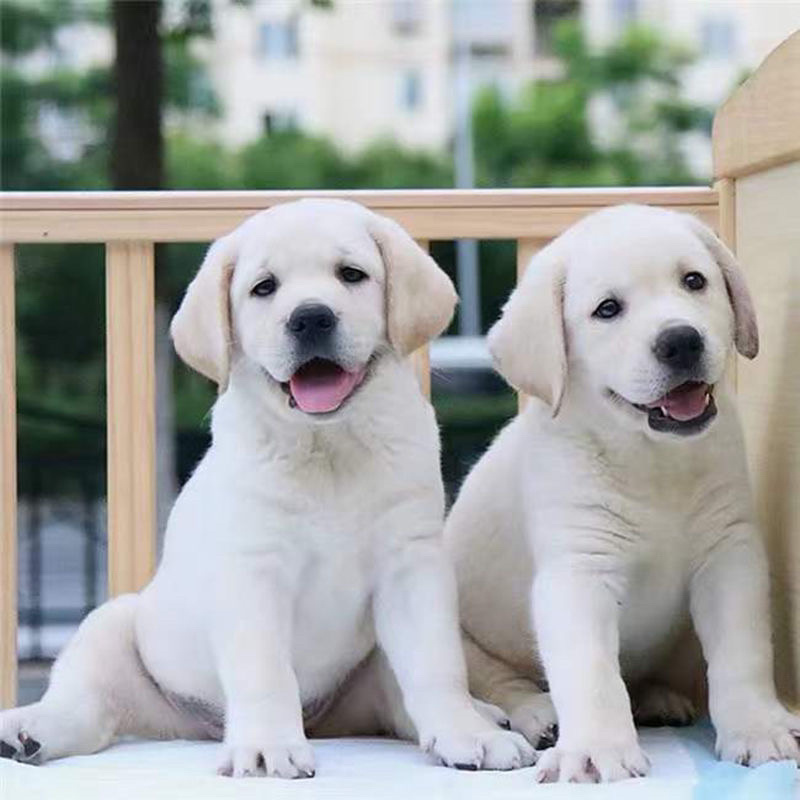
(98, 689)
(530, 710)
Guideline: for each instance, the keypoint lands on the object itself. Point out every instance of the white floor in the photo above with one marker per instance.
(378, 769)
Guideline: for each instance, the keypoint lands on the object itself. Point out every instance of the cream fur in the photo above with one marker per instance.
(303, 586)
(586, 543)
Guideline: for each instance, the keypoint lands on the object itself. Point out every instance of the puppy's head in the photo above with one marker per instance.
(634, 312)
(310, 295)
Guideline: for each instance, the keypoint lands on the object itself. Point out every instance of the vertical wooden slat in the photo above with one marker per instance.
(130, 365)
(726, 189)
(526, 250)
(8, 483)
(421, 358)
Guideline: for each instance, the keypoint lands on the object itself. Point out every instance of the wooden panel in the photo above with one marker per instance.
(201, 216)
(8, 484)
(759, 126)
(768, 245)
(421, 358)
(526, 250)
(130, 355)
(726, 190)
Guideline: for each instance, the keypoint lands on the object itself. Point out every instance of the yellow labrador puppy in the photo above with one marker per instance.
(309, 532)
(616, 506)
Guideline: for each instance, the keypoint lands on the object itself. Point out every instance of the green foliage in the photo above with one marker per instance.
(544, 136)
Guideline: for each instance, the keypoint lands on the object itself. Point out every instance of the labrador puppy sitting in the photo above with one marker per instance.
(309, 533)
(616, 506)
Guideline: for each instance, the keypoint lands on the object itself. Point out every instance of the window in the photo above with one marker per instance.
(547, 15)
(410, 94)
(718, 37)
(406, 16)
(278, 39)
(277, 121)
(624, 12)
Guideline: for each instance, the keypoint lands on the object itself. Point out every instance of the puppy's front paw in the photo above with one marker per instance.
(486, 749)
(592, 763)
(763, 734)
(278, 760)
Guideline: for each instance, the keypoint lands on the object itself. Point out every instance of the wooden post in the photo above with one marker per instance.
(8, 483)
(726, 191)
(130, 356)
(526, 250)
(421, 358)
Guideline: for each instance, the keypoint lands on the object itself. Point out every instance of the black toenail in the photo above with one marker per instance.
(467, 767)
(6, 750)
(30, 746)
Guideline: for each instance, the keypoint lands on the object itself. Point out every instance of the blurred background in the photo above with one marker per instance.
(313, 94)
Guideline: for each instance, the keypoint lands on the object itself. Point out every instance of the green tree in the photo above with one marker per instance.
(545, 137)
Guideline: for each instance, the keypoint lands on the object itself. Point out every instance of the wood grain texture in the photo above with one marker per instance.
(421, 358)
(428, 214)
(526, 250)
(726, 191)
(759, 126)
(8, 483)
(130, 356)
(768, 246)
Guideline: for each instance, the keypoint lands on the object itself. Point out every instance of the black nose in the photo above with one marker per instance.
(311, 323)
(679, 347)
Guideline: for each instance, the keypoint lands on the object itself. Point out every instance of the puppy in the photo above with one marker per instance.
(615, 508)
(309, 534)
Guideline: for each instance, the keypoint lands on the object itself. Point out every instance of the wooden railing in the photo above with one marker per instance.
(130, 224)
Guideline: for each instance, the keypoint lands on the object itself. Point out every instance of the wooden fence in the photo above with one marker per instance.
(130, 224)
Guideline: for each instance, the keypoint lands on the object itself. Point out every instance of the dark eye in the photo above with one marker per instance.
(265, 288)
(694, 281)
(352, 274)
(608, 309)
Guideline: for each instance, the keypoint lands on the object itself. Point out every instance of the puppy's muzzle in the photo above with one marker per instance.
(679, 348)
(312, 326)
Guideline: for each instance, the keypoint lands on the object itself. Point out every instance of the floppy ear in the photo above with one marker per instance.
(201, 328)
(528, 342)
(420, 298)
(744, 314)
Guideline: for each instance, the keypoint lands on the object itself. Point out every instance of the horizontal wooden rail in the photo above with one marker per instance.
(426, 214)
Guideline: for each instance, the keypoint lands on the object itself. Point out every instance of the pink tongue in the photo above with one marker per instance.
(322, 386)
(686, 402)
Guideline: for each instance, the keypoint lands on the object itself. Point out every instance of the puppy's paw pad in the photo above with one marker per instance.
(592, 764)
(493, 749)
(281, 760)
(655, 705)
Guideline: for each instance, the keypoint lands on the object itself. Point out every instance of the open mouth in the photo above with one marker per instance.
(321, 386)
(684, 410)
